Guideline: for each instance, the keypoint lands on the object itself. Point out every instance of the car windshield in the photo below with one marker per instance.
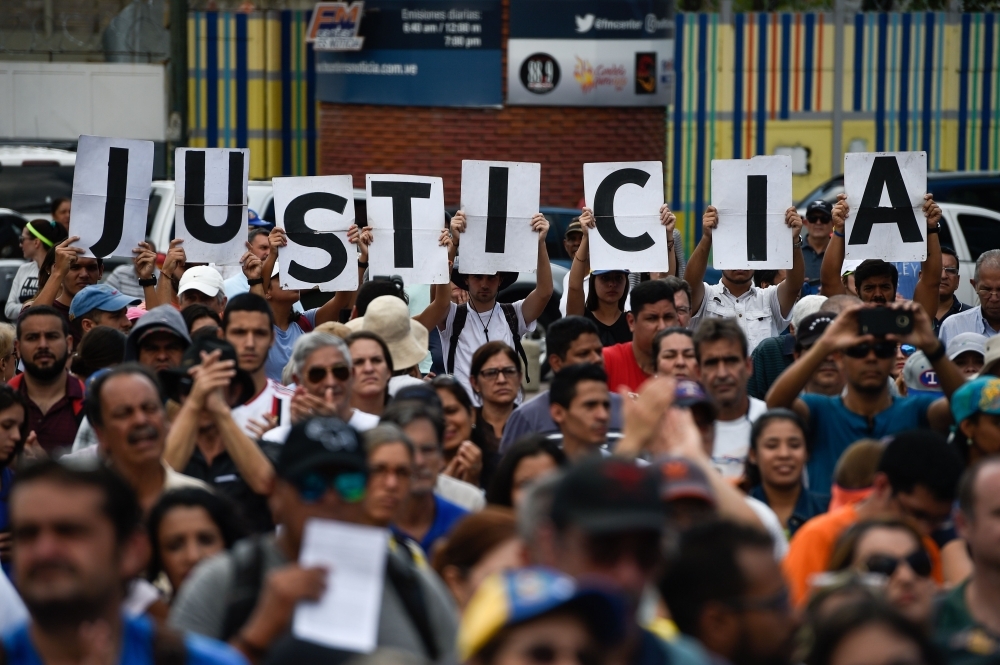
(31, 189)
(826, 192)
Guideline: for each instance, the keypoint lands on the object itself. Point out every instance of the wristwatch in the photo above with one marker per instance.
(255, 282)
(148, 282)
(934, 229)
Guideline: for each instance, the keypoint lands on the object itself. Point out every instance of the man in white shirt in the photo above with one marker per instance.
(725, 365)
(485, 319)
(760, 313)
(984, 319)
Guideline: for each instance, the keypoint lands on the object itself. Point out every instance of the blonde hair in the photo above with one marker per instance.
(7, 333)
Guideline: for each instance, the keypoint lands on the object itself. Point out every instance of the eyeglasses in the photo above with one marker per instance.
(779, 602)
(546, 654)
(883, 564)
(350, 486)
(988, 294)
(340, 371)
(493, 372)
(882, 350)
(907, 349)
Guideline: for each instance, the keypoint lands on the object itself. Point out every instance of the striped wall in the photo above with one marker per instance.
(744, 87)
(251, 84)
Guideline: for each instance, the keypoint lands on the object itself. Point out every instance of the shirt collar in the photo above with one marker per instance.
(725, 289)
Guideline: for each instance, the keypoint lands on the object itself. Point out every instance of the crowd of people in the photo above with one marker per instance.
(716, 473)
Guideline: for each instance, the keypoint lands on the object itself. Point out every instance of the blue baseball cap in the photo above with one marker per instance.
(605, 272)
(103, 297)
(980, 395)
(518, 596)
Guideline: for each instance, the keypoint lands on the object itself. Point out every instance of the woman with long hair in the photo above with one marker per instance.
(37, 238)
(462, 446)
(604, 303)
(495, 375)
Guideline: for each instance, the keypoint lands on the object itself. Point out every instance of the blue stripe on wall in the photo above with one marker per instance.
(212, 79)
(859, 52)
(286, 95)
(738, 90)
(963, 91)
(761, 82)
(904, 84)
(679, 65)
(883, 23)
(807, 63)
(925, 138)
(241, 80)
(786, 57)
(987, 78)
(699, 160)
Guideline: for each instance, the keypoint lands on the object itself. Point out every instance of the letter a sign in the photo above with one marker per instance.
(885, 192)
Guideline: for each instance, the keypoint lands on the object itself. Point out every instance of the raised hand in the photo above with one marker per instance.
(540, 225)
(66, 256)
(458, 224)
(709, 221)
(173, 262)
(932, 211)
(793, 221)
(840, 212)
(145, 260)
(251, 264)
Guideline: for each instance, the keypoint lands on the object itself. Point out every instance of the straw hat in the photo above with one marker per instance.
(389, 318)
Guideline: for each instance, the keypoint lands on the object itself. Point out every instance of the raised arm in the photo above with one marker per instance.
(535, 302)
(145, 269)
(669, 221)
(833, 259)
(252, 267)
(341, 300)
(925, 293)
(276, 239)
(437, 310)
(576, 301)
(694, 275)
(65, 257)
(788, 290)
(173, 267)
(212, 375)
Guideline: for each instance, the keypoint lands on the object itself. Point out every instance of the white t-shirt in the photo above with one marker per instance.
(474, 336)
(263, 405)
(732, 441)
(772, 525)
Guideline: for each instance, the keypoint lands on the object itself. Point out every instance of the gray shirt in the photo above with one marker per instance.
(200, 606)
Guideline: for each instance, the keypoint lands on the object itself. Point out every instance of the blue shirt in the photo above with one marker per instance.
(971, 320)
(136, 648)
(281, 349)
(446, 515)
(832, 428)
(808, 506)
(6, 479)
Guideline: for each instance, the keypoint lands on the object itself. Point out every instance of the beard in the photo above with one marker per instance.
(68, 611)
(57, 367)
(745, 654)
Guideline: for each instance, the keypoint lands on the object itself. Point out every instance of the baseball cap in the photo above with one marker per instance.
(574, 227)
(919, 374)
(517, 596)
(201, 278)
(820, 206)
(177, 381)
(608, 495)
(981, 395)
(605, 272)
(991, 357)
(691, 394)
(103, 297)
(963, 342)
(812, 328)
(326, 446)
(681, 479)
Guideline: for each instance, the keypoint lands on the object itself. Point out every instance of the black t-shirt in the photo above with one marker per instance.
(617, 333)
(223, 477)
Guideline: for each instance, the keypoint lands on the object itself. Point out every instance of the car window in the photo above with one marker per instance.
(826, 192)
(945, 235)
(981, 233)
(31, 189)
(981, 194)
(268, 215)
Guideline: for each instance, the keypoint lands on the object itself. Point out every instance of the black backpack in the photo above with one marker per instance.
(462, 314)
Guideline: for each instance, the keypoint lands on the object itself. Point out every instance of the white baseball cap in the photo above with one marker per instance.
(963, 342)
(201, 278)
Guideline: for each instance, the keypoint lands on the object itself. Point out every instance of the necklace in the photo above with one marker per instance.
(486, 326)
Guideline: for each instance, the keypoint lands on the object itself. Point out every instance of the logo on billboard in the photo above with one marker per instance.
(540, 73)
(645, 73)
(590, 77)
(584, 23)
(334, 26)
(653, 24)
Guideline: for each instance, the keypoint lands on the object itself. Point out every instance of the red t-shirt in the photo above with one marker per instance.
(622, 369)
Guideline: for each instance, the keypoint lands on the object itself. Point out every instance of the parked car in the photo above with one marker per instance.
(32, 177)
(970, 231)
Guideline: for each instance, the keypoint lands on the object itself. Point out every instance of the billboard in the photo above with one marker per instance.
(590, 53)
(411, 53)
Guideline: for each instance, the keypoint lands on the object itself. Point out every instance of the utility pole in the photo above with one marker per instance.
(178, 76)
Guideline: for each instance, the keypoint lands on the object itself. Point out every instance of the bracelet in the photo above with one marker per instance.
(147, 282)
(256, 281)
(933, 229)
(937, 354)
(839, 235)
(362, 264)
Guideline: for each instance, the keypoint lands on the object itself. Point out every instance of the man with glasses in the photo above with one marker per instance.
(607, 525)
(819, 226)
(724, 588)
(984, 319)
(248, 596)
(866, 409)
(916, 480)
(948, 304)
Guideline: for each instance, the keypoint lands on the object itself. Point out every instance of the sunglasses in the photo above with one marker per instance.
(350, 486)
(882, 350)
(340, 371)
(546, 654)
(907, 350)
(883, 564)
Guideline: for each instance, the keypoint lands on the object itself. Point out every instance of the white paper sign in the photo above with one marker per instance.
(752, 196)
(347, 616)
(626, 199)
(406, 213)
(885, 192)
(316, 212)
(211, 197)
(111, 185)
(499, 199)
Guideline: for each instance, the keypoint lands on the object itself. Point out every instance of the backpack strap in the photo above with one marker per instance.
(248, 579)
(403, 578)
(168, 646)
(510, 314)
(303, 322)
(461, 314)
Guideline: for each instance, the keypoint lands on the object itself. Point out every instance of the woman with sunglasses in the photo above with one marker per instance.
(37, 238)
(872, 633)
(892, 549)
(903, 351)
(777, 457)
(495, 375)
(462, 446)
